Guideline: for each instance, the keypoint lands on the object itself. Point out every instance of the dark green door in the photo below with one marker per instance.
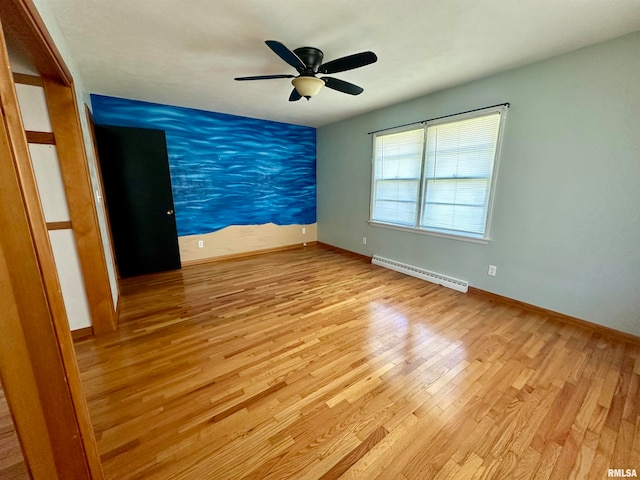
(137, 184)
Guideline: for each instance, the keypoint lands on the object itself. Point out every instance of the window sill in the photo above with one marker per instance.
(421, 231)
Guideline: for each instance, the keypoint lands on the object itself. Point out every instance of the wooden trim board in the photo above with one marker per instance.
(59, 226)
(25, 79)
(41, 138)
(18, 372)
(82, 333)
(91, 124)
(82, 208)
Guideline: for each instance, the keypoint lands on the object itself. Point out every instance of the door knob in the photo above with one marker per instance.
(169, 212)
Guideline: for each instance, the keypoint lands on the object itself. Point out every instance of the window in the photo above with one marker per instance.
(398, 166)
(437, 177)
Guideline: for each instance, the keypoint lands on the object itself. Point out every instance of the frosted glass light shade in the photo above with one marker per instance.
(307, 86)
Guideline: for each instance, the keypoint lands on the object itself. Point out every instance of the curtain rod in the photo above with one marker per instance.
(506, 104)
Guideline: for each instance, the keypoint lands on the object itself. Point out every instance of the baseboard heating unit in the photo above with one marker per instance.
(449, 282)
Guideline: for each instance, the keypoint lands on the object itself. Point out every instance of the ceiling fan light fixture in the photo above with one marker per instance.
(307, 86)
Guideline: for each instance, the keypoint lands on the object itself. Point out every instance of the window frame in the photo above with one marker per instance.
(417, 228)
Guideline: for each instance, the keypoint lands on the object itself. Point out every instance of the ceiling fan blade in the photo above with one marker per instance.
(342, 86)
(286, 54)
(295, 96)
(264, 77)
(350, 62)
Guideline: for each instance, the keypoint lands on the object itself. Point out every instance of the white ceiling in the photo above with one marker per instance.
(187, 52)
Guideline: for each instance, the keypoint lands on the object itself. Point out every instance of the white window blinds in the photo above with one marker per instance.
(397, 173)
(458, 175)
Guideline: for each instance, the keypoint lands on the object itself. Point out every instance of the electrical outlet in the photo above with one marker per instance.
(304, 230)
(492, 270)
(200, 243)
(364, 240)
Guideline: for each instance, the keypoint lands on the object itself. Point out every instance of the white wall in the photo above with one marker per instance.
(566, 223)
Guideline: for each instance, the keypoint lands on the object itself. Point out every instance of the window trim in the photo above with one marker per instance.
(442, 233)
(430, 233)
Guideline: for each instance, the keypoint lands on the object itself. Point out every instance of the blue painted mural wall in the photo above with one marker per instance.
(227, 170)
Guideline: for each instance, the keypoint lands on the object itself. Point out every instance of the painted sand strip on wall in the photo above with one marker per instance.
(236, 240)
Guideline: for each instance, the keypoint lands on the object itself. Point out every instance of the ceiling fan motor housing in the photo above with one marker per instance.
(312, 58)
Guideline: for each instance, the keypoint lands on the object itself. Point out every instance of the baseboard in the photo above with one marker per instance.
(333, 248)
(252, 253)
(82, 333)
(601, 329)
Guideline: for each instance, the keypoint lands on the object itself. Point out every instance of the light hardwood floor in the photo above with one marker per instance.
(313, 364)
(12, 466)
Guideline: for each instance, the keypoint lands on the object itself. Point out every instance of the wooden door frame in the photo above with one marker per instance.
(38, 366)
(22, 23)
(91, 124)
(65, 121)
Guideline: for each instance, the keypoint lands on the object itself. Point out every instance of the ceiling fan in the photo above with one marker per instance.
(308, 62)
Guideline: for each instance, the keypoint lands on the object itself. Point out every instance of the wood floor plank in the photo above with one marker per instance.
(12, 466)
(314, 364)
